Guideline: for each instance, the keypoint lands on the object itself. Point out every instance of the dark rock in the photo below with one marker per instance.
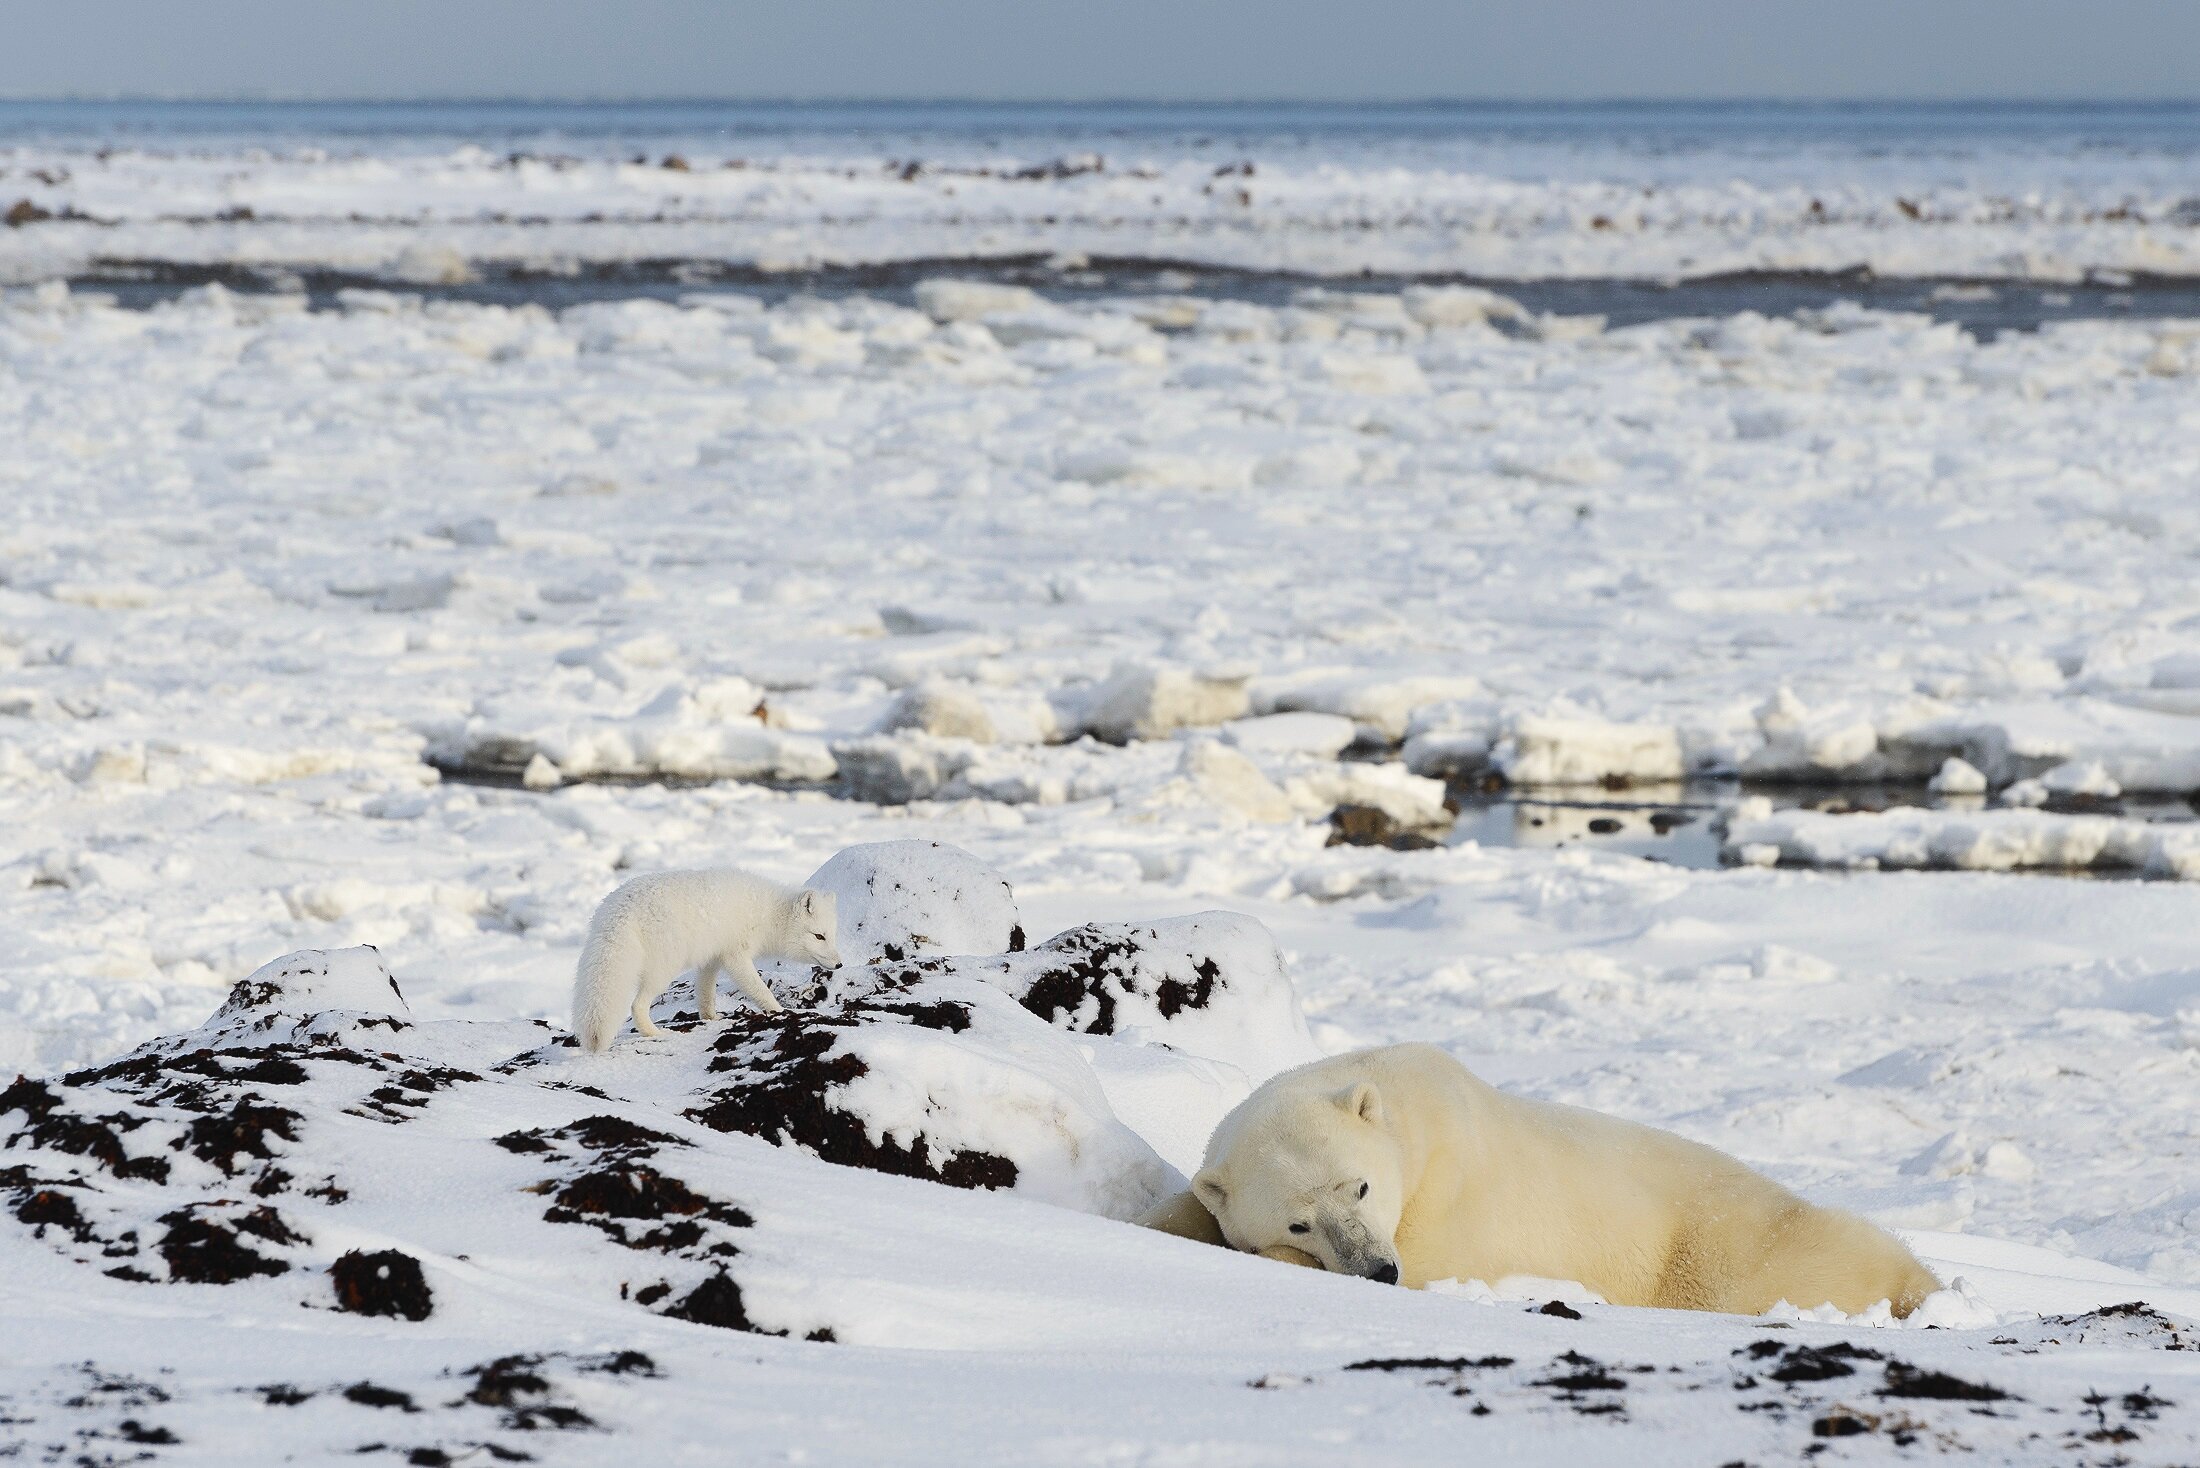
(1905, 1380)
(53, 1126)
(384, 1282)
(716, 1301)
(1369, 825)
(1821, 1363)
(245, 1130)
(1841, 1422)
(206, 1250)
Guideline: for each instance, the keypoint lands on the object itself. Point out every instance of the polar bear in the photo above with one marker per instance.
(1398, 1165)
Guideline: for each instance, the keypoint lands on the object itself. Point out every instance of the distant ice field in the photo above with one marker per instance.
(433, 193)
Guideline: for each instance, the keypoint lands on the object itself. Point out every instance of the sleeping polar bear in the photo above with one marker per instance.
(1398, 1165)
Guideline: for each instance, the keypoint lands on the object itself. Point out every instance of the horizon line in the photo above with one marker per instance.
(272, 99)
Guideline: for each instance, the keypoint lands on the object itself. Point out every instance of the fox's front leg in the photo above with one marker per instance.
(752, 983)
(706, 988)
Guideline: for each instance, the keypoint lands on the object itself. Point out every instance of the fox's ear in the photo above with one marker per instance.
(1208, 1188)
(808, 905)
(1364, 1102)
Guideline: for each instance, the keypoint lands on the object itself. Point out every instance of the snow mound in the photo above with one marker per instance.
(313, 980)
(232, 1154)
(898, 899)
(923, 1074)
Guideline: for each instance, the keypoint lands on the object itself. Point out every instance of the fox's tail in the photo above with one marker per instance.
(604, 986)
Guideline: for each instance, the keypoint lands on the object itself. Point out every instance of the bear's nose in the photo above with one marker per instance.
(1384, 1273)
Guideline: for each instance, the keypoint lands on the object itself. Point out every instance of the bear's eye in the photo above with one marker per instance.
(1300, 1228)
(1363, 1190)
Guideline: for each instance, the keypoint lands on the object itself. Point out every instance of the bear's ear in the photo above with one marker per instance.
(1210, 1191)
(1364, 1102)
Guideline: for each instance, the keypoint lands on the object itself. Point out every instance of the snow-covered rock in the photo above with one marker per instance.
(899, 899)
(1212, 985)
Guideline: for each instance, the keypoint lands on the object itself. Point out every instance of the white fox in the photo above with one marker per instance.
(654, 928)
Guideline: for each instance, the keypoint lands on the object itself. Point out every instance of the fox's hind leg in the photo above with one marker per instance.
(642, 1020)
(706, 988)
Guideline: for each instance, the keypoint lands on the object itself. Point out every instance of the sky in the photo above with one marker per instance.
(1060, 50)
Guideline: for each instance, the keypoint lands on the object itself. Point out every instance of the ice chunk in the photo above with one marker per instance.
(1544, 750)
(969, 300)
(1385, 705)
(895, 769)
(1460, 305)
(942, 711)
(1325, 736)
(1957, 777)
(1411, 801)
(1149, 700)
(2081, 777)
(1447, 754)
(1221, 776)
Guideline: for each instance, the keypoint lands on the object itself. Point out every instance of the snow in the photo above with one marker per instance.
(503, 620)
(422, 624)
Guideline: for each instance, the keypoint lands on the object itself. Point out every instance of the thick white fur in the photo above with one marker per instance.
(1463, 1181)
(655, 928)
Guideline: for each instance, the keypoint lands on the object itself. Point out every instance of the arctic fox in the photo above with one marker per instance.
(654, 928)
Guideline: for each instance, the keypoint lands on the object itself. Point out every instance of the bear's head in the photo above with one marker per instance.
(1319, 1174)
